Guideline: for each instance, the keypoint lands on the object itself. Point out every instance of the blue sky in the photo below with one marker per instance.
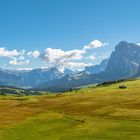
(35, 25)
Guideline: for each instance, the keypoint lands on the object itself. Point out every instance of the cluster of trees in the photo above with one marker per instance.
(110, 82)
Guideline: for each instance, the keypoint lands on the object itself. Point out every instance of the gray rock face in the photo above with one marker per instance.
(124, 61)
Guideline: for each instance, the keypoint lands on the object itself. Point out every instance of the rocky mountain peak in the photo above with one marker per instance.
(125, 60)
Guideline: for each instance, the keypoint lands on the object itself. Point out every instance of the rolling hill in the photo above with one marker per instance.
(99, 113)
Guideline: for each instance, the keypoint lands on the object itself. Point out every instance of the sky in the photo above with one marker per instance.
(64, 33)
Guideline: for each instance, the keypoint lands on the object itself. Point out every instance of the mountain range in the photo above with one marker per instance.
(124, 62)
(35, 77)
(28, 79)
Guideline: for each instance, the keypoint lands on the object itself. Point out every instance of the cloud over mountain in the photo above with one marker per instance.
(69, 59)
(51, 57)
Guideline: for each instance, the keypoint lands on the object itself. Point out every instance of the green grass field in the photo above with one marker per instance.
(92, 113)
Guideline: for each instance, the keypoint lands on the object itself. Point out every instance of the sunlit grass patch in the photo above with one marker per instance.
(98, 113)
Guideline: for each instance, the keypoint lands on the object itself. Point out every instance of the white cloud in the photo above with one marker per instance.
(95, 44)
(59, 58)
(73, 66)
(138, 44)
(18, 62)
(21, 57)
(91, 57)
(103, 56)
(77, 65)
(53, 55)
(29, 53)
(67, 59)
(22, 52)
(6, 53)
(34, 54)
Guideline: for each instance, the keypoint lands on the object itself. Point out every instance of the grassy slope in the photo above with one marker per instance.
(103, 113)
